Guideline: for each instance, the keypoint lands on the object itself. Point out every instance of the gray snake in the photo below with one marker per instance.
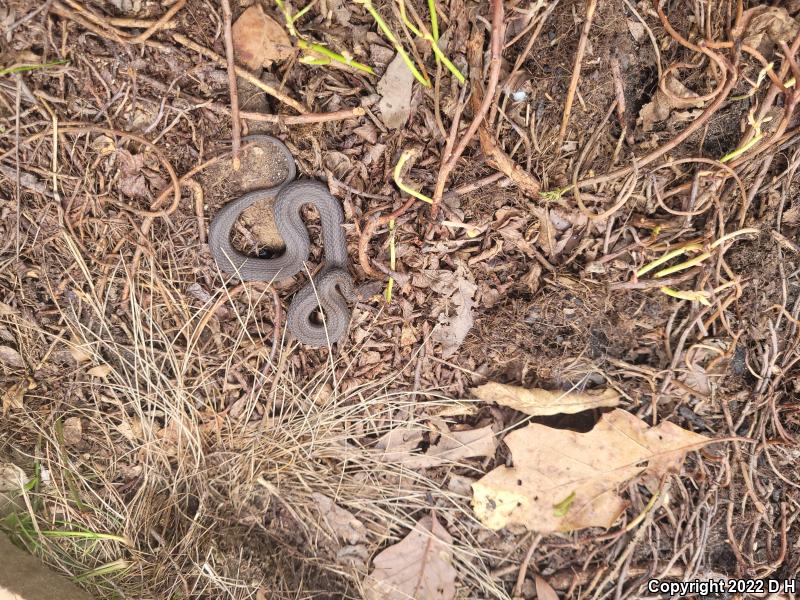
(330, 288)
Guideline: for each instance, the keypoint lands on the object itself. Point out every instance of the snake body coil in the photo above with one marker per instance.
(330, 288)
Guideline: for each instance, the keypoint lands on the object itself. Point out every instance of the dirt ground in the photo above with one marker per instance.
(163, 437)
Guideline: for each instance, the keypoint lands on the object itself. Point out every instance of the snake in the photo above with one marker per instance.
(330, 289)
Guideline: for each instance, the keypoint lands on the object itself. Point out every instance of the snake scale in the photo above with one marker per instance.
(330, 288)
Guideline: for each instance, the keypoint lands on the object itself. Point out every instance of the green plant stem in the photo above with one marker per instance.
(398, 170)
(434, 20)
(26, 68)
(330, 55)
(394, 41)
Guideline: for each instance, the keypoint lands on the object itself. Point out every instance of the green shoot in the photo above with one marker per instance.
(434, 20)
(562, 508)
(555, 194)
(106, 569)
(750, 143)
(398, 170)
(431, 39)
(389, 35)
(392, 261)
(699, 296)
(328, 56)
(26, 67)
(684, 265)
(668, 256)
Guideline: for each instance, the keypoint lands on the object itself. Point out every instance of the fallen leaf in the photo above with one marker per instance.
(367, 132)
(454, 327)
(662, 105)
(14, 396)
(399, 442)
(131, 429)
(259, 40)
(11, 357)
(12, 478)
(768, 26)
(544, 591)
(418, 567)
(564, 480)
(341, 522)
(100, 371)
(78, 354)
(452, 447)
(73, 431)
(637, 30)
(12, 482)
(130, 7)
(395, 90)
(8, 311)
(537, 402)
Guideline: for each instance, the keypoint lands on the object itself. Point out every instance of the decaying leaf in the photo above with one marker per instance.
(418, 567)
(339, 521)
(453, 447)
(459, 292)
(399, 442)
(14, 395)
(395, 90)
(400, 445)
(259, 40)
(12, 482)
(544, 591)
(662, 105)
(538, 402)
(100, 371)
(563, 480)
(768, 26)
(11, 357)
(73, 431)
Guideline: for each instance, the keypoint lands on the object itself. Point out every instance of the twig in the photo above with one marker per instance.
(523, 569)
(236, 132)
(449, 161)
(371, 224)
(591, 5)
(243, 73)
(337, 115)
(162, 23)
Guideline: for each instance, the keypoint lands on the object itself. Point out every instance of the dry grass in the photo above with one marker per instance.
(182, 482)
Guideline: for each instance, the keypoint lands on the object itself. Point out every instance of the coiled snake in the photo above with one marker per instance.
(330, 288)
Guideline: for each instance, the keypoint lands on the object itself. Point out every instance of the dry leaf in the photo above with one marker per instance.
(131, 429)
(544, 591)
(8, 311)
(14, 395)
(73, 431)
(395, 90)
(564, 480)
(399, 442)
(12, 481)
(11, 357)
(453, 447)
(537, 402)
(100, 371)
(768, 26)
(637, 30)
(418, 567)
(259, 40)
(460, 291)
(662, 105)
(340, 521)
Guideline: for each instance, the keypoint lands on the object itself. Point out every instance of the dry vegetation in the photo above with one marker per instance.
(614, 207)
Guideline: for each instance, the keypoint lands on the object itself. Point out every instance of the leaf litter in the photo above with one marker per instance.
(563, 480)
